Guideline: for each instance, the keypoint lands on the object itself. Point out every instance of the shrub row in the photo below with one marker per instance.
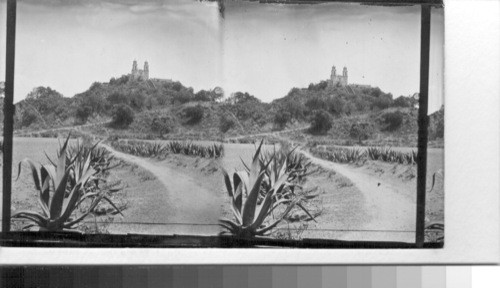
(387, 154)
(340, 155)
(160, 150)
(354, 155)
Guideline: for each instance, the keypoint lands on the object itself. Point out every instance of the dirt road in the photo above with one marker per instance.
(390, 206)
(183, 200)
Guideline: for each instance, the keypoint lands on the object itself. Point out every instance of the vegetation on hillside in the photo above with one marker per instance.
(156, 109)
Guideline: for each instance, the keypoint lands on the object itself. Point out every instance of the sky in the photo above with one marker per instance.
(263, 49)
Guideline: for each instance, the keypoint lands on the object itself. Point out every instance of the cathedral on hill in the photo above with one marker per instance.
(339, 79)
(140, 74)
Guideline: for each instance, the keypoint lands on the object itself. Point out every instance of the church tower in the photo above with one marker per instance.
(146, 70)
(334, 71)
(134, 67)
(344, 75)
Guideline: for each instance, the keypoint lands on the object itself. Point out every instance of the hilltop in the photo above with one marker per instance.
(167, 109)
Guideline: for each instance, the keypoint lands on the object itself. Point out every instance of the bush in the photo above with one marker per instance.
(361, 131)
(83, 113)
(118, 98)
(392, 120)
(28, 118)
(226, 123)
(402, 101)
(321, 122)
(315, 103)
(295, 108)
(381, 103)
(281, 118)
(440, 130)
(123, 116)
(161, 124)
(193, 114)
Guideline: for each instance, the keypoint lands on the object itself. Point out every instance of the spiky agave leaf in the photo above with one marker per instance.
(40, 220)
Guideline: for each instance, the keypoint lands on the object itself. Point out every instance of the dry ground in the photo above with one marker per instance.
(183, 189)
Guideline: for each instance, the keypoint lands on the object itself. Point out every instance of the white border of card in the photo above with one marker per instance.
(471, 164)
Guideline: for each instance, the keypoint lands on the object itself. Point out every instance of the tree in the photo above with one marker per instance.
(123, 116)
(376, 92)
(161, 124)
(202, 95)
(194, 114)
(282, 117)
(316, 103)
(29, 117)
(321, 122)
(336, 105)
(83, 113)
(44, 99)
(95, 100)
(318, 87)
(402, 101)
(137, 101)
(361, 131)
(295, 108)
(240, 98)
(392, 120)
(226, 122)
(118, 98)
(381, 102)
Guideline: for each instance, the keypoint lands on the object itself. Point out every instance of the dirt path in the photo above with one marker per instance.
(388, 205)
(183, 200)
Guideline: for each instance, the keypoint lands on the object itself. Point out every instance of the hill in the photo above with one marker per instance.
(168, 109)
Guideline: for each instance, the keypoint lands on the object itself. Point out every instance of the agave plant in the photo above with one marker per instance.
(62, 187)
(100, 157)
(245, 188)
(387, 154)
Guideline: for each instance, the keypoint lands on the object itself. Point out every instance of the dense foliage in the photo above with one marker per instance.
(226, 122)
(161, 150)
(161, 107)
(123, 116)
(392, 120)
(45, 107)
(321, 122)
(193, 114)
(361, 131)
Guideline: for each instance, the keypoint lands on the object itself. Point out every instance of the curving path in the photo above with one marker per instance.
(182, 201)
(390, 206)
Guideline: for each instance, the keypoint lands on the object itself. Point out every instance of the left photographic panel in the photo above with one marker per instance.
(96, 83)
